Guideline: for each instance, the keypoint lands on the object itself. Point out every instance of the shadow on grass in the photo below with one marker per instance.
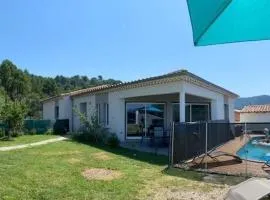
(160, 160)
(131, 154)
(205, 177)
(6, 139)
(191, 175)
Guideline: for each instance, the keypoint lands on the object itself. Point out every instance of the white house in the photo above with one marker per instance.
(59, 107)
(136, 108)
(255, 114)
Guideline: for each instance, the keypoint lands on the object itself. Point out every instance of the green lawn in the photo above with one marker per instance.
(54, 171)
(26, 139)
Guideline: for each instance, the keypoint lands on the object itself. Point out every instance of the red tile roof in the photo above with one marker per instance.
(154, 78)
(78, 92)
(256, 109)
(168, 75)
(87, 90)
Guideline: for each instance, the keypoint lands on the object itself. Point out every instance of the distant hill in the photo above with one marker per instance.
(241, 102)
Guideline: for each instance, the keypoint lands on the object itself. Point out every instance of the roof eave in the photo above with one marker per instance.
(151, 80)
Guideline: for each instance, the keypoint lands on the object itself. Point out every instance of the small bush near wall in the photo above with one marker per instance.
(61, 126)
(93, 132)
(113, 141)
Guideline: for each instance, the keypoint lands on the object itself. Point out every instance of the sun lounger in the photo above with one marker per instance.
(266, 164)
(213, 154)
(251, 189)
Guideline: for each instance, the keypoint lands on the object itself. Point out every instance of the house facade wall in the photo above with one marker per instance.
(167, 93)
(90, 101)
(117, 101)
(254, 117)
(48, 112)
(231, 102)
(65, 109)
(217, 99)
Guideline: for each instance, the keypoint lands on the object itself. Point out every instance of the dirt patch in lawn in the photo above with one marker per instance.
(101, 174)
(182, 186)
(180, 194)
(102, 156)
(74, 160)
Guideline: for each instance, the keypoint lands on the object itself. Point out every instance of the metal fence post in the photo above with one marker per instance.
(172, 142)
(206, 143)
(246, 151)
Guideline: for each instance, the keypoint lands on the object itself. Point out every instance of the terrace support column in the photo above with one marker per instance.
(217, 108)
(182, 106)
(231, 110)
(213, 109)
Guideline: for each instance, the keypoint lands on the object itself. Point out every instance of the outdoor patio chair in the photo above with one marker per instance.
(157, 137)
(158, 132)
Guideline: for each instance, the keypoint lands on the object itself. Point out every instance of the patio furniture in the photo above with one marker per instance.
(213, 154)
(251, 189)
(156, 136)
(267, 162)
(160, 137)
(158, 132)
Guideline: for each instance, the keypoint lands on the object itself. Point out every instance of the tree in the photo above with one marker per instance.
(13, 114)
(14, 81)
(50, 88)
(34, 105)
(19, 85)
(100, 78)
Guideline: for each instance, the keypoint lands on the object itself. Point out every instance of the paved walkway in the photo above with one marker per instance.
(21, 146)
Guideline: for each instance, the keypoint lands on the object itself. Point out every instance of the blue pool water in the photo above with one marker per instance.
(255, 151)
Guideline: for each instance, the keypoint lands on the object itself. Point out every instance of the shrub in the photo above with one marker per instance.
(12, 114)
(113, 141)
(91, 131)
(2, 133)
(49, 132)
(32, 131)
(16, 134)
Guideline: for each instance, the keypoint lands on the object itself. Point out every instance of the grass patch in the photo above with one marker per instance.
(55, 171)
(25, 139)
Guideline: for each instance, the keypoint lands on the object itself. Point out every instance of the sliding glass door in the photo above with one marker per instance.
(199, 112)
(143, 118)
(194, 112)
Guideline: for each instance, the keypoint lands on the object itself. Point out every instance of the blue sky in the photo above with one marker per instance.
(126, 40)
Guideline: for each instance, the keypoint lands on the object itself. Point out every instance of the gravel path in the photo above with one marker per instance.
(9, 148)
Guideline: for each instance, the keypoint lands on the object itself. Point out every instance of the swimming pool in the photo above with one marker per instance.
(255, 151)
